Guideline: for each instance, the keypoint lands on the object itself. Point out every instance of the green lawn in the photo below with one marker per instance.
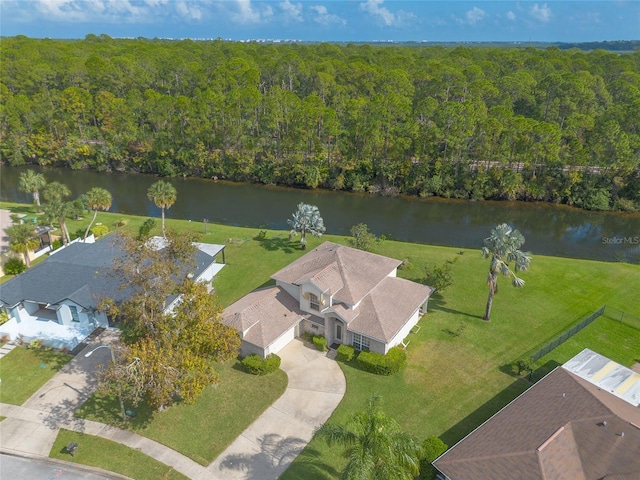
(111, 456)
(451, 383)
(203, 430)
(23, 371)
(611, 338)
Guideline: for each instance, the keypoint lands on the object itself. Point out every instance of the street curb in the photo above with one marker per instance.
(79, 466)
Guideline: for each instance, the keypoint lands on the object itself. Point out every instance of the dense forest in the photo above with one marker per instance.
(523, 123)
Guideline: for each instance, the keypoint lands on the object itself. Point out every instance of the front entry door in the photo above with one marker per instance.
(339, 332)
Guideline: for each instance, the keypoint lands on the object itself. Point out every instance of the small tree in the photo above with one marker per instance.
(440, 276)
(163, 195)
(362, 238)
(23, 239)
(144, 232)
(307, 219)
(57, 208)
(166, 355)
(32, 182)
(97, 199)
(503, 246)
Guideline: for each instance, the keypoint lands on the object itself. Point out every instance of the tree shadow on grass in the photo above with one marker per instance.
(437, 303)
(484, 412)
(274, 244)
(106, 409)
(52, 358)
(531, 375)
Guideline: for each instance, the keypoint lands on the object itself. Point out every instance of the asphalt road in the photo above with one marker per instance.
(20, 468)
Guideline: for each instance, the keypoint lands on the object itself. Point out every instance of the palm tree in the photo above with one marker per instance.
(56, 208)
(23, 239)
(307, 219)
(163, 195)
(375, 446)
(97, 199)
(503, 246)
(32, 182)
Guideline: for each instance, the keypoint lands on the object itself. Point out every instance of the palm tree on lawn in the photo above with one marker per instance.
(375, 446)
(163, 195)
(307, 219)
(23, 239)
(503, 246)
(56, 208)
(97, 199)
(32, 182)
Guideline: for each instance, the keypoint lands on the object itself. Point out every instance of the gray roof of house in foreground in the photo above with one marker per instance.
(562, 428)
(79, 272)
(346, 273)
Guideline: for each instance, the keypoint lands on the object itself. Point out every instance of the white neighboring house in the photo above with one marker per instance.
(346, 295)
(56, 301)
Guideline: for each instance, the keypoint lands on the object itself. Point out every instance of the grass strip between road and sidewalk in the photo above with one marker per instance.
(455, 378)
(111, 456)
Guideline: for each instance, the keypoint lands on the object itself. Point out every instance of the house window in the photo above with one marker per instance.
(360, 342)
(314, 303)
(74, 313)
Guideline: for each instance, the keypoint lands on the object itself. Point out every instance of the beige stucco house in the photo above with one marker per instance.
(346, 295)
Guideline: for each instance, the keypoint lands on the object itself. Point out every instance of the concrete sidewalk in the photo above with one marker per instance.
(269, 445)
(31, 429)
(263, 451)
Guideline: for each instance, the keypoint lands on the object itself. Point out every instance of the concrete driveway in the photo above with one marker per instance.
(269, 445)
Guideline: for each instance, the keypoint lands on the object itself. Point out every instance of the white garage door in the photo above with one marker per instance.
(283, 340)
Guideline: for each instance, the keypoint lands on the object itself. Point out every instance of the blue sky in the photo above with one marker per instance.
(327, 20)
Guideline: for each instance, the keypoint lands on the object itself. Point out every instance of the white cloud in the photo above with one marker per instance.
(246, 13)
(475, 15)
(542, 13)
(94, 11)
(190, 10)
(397, 19)
(291, 11)
(511, 16)
(324, 18)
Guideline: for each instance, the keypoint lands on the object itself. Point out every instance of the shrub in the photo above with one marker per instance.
(121, 222)
(320, 342)
(56, 244)
(4, 318)
(432, 448)
(35, 344)
(145, 229)
(345, 353)
(257, 365)
(100, 230)
(14, 266)
(261, 235)
(440, 276)
(380, 364)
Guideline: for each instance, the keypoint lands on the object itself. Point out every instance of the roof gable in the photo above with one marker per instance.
(529, 428)
(344, 272)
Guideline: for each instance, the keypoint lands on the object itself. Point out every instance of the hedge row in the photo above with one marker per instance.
(320, 342)
(257, 365)
(380, 364)
(345, 353)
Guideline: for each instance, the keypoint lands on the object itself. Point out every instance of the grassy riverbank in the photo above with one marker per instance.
(451, 383)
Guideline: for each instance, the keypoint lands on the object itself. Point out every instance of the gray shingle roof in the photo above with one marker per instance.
(79, 272)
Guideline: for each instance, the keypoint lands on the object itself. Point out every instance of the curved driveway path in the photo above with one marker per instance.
(269, 445)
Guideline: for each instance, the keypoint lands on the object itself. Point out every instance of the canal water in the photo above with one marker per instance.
(549, 229)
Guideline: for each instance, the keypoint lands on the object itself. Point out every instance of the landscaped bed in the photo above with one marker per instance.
(23, 371)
